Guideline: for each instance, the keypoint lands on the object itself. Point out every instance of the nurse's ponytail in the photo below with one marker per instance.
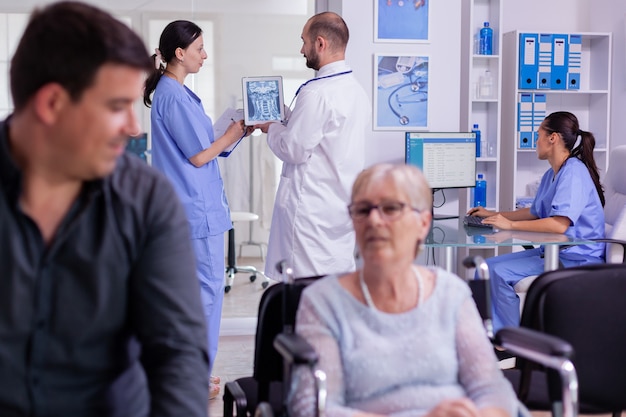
(177, 34)
(579, 143)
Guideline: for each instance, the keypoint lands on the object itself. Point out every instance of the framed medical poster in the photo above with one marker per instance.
(401, 20)
(400, 92)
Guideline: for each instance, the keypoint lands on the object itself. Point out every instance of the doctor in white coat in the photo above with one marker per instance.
(322, 148)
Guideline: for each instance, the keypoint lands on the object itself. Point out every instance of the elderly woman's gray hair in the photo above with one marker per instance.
(408, 178)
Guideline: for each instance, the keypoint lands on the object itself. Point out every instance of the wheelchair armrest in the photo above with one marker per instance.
(549, 351)
(234, 395)
(520, 339)
(295, 350)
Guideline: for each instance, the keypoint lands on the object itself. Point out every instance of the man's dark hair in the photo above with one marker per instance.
(67, 43)
(331, 27)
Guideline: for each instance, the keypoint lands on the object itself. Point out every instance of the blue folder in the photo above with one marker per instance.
(575, 62)
(528, 60)
(525, 120)
(560, 61)
(539, 113)
(545, 61)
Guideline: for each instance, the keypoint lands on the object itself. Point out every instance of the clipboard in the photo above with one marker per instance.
(221, 124)
(263, 99)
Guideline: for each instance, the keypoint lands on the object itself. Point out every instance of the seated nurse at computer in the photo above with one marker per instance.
(569, 200)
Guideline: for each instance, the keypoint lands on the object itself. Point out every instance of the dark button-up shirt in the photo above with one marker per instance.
(106, 319)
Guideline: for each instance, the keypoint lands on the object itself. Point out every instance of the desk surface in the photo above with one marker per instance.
(452, 232)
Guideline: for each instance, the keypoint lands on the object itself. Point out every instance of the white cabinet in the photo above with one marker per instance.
(590, 102)
(480, 108)
(476, 106)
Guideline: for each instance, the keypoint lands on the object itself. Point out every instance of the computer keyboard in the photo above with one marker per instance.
(475, 221)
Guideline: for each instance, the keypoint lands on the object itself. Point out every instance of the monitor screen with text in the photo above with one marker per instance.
(447, 159)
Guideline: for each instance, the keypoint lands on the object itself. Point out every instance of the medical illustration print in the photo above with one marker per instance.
(401, 21)
(263, 99)
(401, 92)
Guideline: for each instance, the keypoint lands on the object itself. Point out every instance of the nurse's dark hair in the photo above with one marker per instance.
(177, 34)
(331, 27)
(67, 43)
(566, 124)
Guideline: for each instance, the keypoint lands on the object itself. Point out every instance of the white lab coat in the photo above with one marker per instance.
(322, 148)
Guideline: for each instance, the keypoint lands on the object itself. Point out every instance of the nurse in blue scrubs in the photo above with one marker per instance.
(184, 149)
(569, 200)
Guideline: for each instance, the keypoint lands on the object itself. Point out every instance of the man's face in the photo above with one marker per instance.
(90, 134)
(308, 49)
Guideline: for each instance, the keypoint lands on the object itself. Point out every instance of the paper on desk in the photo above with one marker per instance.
(221, 125)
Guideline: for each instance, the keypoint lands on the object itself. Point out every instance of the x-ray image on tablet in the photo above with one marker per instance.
(263, 100)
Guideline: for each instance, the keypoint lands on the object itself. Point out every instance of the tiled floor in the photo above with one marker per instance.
(236, 346)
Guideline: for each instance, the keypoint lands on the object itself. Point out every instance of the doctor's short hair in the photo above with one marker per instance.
(408, 179)
(331, 27)
(67, 43)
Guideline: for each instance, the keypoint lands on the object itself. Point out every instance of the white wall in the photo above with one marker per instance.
(610, 16)
(553, 16)
(444, 63)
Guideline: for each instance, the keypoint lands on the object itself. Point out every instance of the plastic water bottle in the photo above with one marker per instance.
(486, 40)
(477, 131)
(485, 85)
(480, 192)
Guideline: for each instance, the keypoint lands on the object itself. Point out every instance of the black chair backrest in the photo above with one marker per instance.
(277, 312)
(585, 306)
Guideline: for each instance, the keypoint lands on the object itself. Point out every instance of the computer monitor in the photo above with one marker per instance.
(447, 159)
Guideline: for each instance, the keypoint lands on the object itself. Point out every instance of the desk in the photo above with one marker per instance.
(450, 234)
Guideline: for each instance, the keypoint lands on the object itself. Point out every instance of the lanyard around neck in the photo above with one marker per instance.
(315, 79)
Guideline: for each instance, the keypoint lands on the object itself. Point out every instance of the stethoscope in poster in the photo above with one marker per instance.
(401, 92)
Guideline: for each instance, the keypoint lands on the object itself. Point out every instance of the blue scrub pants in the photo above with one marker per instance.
(210, 269)
(507, 270)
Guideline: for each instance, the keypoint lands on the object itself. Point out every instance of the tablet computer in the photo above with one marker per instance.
(263, 99)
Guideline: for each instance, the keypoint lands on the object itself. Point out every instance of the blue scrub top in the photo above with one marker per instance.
(180, 130)
(572, 194)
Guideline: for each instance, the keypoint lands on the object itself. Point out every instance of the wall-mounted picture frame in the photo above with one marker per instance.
(401, 21)
(400, 92)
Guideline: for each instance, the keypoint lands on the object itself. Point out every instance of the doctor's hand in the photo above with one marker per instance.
(263, 127)
(249, 130)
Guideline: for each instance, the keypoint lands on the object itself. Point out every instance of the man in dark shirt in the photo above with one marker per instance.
(99, 304)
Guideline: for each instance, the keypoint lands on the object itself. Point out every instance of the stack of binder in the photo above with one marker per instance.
(531, 110)
(549, 61)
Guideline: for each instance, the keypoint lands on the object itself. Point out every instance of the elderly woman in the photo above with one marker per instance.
(396, 338)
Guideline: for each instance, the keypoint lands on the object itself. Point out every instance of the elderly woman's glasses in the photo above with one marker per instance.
(388, 211)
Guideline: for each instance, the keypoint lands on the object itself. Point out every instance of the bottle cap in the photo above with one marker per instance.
(480, 176)
(486, 24)
(475, 125)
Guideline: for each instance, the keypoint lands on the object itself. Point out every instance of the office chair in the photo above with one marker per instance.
(277, 314)
(232, 268)
(584, 306)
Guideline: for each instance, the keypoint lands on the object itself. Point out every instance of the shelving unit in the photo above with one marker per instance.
(520, 167)
(484, 111)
